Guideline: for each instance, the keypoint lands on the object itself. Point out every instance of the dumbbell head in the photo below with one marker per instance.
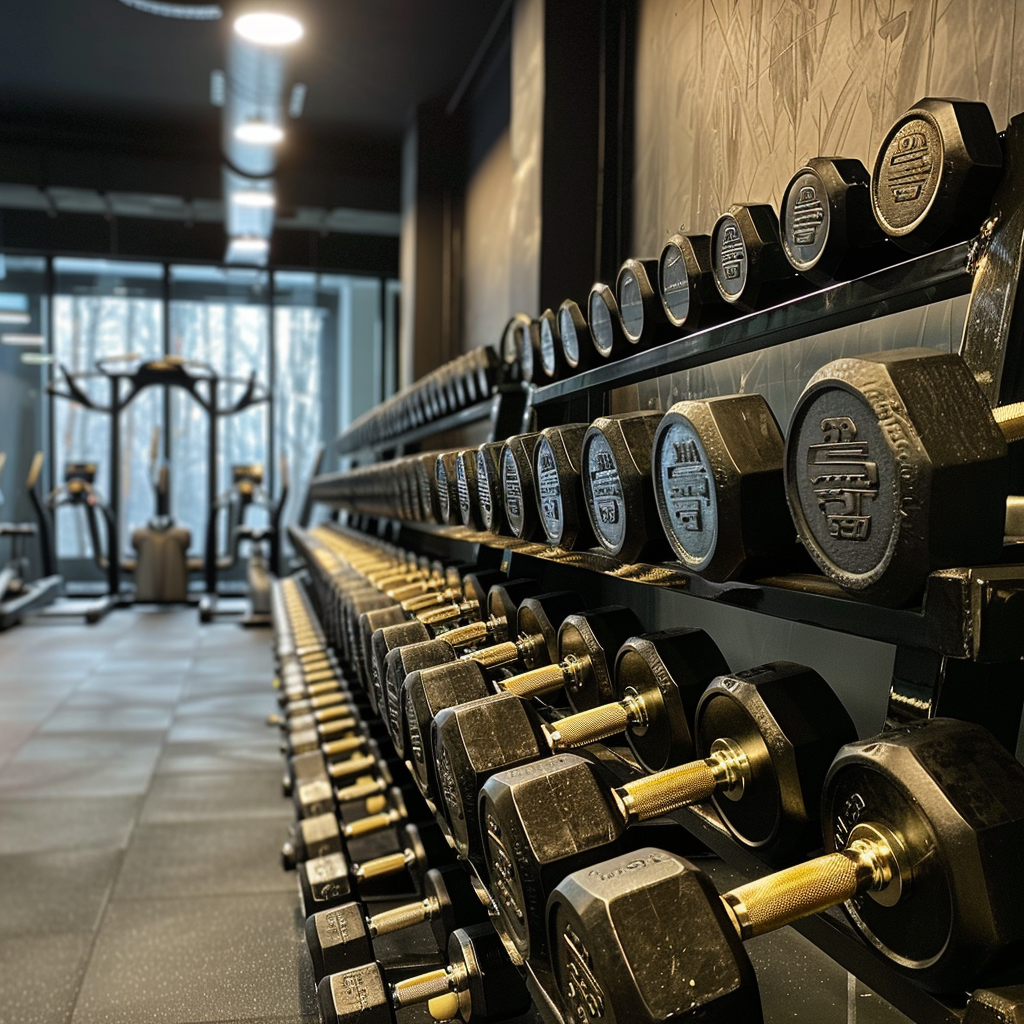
(552, 356)
(641, 314)
(608, 949)
(955, 799)
(604, 323)
(384, 641)
(896, 467)
(574, 335)
(528, 336)
(686, 280)
(935, 172)
(667, 671)
(471, 742)
(369, 622)
(341, 938)
(560, 498)
(518, 486)
(467, 488)
(590, 640)
(827, 224)
(446, 477)
(746, 254)
(509, 352)
(717, 469)
(616, 470)
(425, 467)
(789, 724)
(488, 482)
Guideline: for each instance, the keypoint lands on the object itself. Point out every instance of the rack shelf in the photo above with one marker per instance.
(906, 285)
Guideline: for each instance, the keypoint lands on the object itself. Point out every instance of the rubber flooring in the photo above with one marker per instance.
(141, 820)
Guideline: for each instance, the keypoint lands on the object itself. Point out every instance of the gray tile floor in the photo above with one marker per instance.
(140, 825)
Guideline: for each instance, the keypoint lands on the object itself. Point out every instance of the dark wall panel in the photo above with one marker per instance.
(731, 98)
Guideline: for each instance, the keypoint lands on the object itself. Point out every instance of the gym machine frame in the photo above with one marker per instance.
(948, 650)
(203, 383)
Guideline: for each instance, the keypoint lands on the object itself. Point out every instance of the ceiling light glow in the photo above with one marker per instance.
(265, 28)
(254, 199)
(259, 133)
(250, 245)
(21, 339)
(9, 316)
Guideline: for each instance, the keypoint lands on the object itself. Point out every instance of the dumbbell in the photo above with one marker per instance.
(330, 879)
(641, 313)
(473, 741)
(342, 938)
(747, 257)
(479, 983)
(467, 489)
(828, 228)
(447, 487)
(895, 467)
(426, 691)
(767, 736)
(577, 346)
(718, 482)
(616, 469)
(385, 804)
(553, 363)
(315, 774)
(560, 499)
(686, 282)
(509, 348)
(401, 649)
(518, 486)
(605, 324)
(528, 341)
(923, 836)
(488, 482)
(935, 173)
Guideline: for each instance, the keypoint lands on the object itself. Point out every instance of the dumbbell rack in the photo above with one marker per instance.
(958, 653)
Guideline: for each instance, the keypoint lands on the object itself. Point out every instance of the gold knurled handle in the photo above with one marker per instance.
(353, 766)
(343, 746)
(494, 656)
(472, 633)
(439, 616)
(1011, 420)
(536, 682)
(428, 600)
(587, 726)
(362, 790)
(338, 722)
(794, 893)
(368, 824)
(421, 988)
(668, 790)
(389, 864)
(319, 688)
(394, 920)
(327, 700)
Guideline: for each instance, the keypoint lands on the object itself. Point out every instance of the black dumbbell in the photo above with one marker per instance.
(747, 256)
(895, 467)
(560, 499)
(577, 345)
(518, 487)
(447, 488)
(553, 363)
(467, 488)
(828, 228)
(488, 481)
(427, 691)
(686, 282)
(480, 983)
(605, 324)
(935, 173)
(509, 350)
(330, 879)
(641, 313)
(718, 481)
(383, 802)
(314, 783)
(342, 937)
(528, 337)
(924, 832)
(471, 742)
(767, 736)
(616, 469)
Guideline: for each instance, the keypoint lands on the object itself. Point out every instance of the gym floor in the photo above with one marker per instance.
(141, 822)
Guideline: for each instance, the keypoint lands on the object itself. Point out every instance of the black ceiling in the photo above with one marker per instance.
(366, 63)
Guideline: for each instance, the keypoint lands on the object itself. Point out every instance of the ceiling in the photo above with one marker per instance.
(106, 123)
(366, 64)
